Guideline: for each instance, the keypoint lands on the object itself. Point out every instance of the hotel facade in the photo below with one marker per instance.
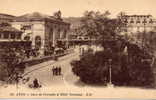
(137, 26)
(139, 23)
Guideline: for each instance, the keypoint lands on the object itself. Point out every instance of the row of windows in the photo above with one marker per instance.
(139, 21)
(139, 29)
(138, 16)
(10, 36)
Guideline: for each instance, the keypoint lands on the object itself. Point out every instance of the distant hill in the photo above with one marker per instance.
(74, 21)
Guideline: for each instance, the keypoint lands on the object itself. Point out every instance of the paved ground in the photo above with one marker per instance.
(43, 72)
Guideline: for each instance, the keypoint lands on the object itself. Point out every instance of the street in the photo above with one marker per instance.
(66, 83)
(43, 72)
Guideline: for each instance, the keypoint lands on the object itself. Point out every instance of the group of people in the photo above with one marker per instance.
(36, 83)
(56, 70)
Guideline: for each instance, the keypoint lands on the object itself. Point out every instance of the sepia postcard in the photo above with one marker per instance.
(78, 49)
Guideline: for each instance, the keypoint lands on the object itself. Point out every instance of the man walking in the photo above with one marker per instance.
(59, 70)
(53, 70)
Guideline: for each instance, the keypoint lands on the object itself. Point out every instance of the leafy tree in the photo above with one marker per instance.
(127, 69)
(92, 23)
(10, 63)
(99, 26)
(93, 68)
(150, 40)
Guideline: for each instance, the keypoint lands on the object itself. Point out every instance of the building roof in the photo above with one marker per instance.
(33, 15)
(38, 16)
(6, 16)
(9, 29)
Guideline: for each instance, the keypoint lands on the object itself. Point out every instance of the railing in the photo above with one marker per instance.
(35, 61)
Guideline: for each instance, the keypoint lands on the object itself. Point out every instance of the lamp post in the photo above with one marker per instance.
(110, 74)
(143, 37)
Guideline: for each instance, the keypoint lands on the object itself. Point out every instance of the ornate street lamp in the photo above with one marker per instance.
(110, 74)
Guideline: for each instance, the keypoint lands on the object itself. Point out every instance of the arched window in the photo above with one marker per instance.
(37, 42)
(51, 35)
(65, 33)
(59, 30)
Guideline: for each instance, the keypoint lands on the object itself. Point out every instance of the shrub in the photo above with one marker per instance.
(94, 69)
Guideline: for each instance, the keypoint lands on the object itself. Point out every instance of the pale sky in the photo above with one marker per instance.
(77, 7)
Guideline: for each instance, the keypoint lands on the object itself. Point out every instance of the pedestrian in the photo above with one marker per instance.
(56, 70)
(53, 70)
(59, 70)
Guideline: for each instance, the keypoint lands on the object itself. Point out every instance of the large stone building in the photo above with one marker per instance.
(45, 32)
(137, 25)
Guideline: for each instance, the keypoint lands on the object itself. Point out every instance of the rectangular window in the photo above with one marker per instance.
(6, 35)
(144, 21)
(131, 21)
(138, 22)
(19, 36)
(151, 21)
(12, 36)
